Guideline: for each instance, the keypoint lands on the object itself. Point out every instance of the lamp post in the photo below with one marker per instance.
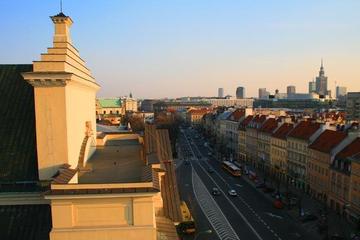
(209, 231)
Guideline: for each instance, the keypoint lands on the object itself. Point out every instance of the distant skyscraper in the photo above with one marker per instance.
(290, 90)
(340, 91)
(220, 92)
(321, 81)
(240, 92)
(312, 86)
(263, 94)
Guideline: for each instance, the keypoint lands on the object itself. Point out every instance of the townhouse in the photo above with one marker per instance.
(344, 191)
(242, 157)
(297, 146)
(320, 155)
(264, 142)
(252, 139)
(278, 151)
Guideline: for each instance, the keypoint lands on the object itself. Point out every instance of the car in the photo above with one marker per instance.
(232, 193)
(209, 153)
(187, 162)
(215, 191)
(309, 218)
(210, 170)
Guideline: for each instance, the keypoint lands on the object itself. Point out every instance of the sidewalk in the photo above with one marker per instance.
(337, 226)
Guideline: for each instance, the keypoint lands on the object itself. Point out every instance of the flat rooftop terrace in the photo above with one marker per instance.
(118, 161)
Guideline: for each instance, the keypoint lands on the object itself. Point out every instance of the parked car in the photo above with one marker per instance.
(187, 162)
(278, 204)
(210, 170)
(215, 191)
(232, 193)
(309, 218)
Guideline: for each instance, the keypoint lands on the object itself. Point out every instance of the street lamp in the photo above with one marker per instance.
(209, 231)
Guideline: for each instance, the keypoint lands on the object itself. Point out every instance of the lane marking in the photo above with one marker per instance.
(211, 210)
(229, 186)
(225, 195)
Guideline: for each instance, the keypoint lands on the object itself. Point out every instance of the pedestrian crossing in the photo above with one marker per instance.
(211, 210)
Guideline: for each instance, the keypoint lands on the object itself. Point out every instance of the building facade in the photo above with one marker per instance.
(353, 106)
(321, 153)
(278, 151)
(321, 82)
(240, 92)
(297, 144)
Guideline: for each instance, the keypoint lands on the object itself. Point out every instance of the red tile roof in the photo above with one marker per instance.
(328, 140)
(198, 111)
(259, 118)
(304, 130)
(269, 125)
(245, 122)
(236, 115)
(350, 150)
(283, 131)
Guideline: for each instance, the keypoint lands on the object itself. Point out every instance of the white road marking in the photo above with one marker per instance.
(229, 186)
(211, 210)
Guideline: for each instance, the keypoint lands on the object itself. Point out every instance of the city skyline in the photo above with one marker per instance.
(160, 49)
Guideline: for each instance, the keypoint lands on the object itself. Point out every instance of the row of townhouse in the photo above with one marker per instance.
(312, 156)
(321, 158)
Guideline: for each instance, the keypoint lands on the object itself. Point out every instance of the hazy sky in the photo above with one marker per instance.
(191, 47)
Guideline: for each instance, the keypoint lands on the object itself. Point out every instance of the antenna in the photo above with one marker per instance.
(60, 5)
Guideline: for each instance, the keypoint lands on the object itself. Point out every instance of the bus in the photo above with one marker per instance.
(231, 168)
(187, 225)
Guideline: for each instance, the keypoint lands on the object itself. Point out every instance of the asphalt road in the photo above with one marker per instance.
(250, 214)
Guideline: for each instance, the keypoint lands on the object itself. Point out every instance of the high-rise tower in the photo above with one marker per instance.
(321, 81)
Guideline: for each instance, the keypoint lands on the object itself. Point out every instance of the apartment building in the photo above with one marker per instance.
(194, 116)
(252, 138)
(297, 145)
(264, 142)
(242, 157)
(319, 159)
(344, 190)
(278, 150)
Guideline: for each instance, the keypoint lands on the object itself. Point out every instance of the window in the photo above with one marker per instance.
(104, 112)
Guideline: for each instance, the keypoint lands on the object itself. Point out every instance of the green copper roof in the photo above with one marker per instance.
(110, 102)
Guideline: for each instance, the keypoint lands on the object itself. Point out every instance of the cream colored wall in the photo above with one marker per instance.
(129, 218)
(80, 102)
(51, 131)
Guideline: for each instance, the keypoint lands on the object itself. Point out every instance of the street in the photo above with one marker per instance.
(249, 215)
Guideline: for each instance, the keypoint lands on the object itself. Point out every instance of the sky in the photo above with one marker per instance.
(174, 48)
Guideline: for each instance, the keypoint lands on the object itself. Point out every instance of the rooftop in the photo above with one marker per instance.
(18, 156)
(304, 130)
(109, 102)
(283, 130)
(352, 149)
(327, 141)
(236, 115)
(245, 122)
(30, 222)
(269, 125)
(119, 161)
